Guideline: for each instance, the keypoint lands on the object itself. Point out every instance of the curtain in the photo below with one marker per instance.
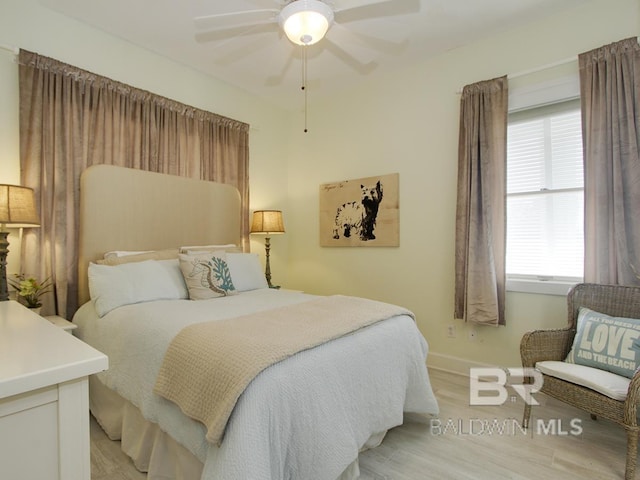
(71, 119)
(480, 215)
(609, 88)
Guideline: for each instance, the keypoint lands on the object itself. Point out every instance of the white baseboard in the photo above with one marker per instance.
(451, 364)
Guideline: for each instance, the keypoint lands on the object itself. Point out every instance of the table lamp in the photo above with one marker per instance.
(17, 210)
(267, 222)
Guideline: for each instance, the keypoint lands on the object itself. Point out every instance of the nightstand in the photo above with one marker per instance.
(44, 398)
(63, 323)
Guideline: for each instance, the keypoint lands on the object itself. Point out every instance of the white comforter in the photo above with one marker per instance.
(304, 418)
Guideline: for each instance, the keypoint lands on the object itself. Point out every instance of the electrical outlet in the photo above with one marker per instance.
(473, 334)
(451, 331)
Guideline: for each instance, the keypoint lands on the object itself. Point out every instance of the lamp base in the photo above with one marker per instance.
(4, 250)
(267, 269)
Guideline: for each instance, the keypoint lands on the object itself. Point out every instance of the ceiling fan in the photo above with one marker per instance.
(307, 22)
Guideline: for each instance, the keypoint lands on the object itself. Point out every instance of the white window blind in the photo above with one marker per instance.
(545, 193)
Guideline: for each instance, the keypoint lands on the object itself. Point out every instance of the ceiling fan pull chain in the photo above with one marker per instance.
(304, 84)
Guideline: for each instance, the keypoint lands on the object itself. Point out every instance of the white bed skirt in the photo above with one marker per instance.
(152, 450)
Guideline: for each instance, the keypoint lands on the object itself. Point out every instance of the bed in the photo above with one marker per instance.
(307, 416)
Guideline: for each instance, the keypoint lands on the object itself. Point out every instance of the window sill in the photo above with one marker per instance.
(542, 287)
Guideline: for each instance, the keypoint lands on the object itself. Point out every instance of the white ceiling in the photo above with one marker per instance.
(265, 63)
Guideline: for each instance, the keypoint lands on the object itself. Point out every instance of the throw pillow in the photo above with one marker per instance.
(607, 343)
(207, 275)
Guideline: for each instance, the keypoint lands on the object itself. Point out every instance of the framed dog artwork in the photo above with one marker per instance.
(360, 213)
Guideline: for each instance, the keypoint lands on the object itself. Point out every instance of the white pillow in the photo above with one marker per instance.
(246, 271)
(112, 286)
(123, 253)
(175, 276)
(196, 249)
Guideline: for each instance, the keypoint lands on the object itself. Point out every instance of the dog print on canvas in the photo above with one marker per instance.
(359, 217)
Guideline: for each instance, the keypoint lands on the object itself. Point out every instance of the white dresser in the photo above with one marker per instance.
(44, 398)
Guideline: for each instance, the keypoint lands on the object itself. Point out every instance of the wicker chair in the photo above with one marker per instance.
(614, 300)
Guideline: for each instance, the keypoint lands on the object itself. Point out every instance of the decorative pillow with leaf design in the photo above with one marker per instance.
(207, 275)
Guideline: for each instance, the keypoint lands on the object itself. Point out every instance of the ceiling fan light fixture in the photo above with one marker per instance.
(306, 22)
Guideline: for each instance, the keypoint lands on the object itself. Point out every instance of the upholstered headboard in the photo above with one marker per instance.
(127, 209)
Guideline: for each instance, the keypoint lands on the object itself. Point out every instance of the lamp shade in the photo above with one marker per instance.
(17, 206)
(267, 221)
(306, 22)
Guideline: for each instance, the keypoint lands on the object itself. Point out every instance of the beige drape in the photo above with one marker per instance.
(609, 89)
(71, 119)
(480, 214)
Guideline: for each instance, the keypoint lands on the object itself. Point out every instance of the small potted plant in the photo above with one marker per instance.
(29, 290)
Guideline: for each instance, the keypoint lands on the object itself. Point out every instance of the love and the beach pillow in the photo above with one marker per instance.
(606, 342)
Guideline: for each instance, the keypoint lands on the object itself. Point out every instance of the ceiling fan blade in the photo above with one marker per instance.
(228, 34)
(275, 80)
(385, 34)
(380, 8)
(348, 59)
(268, 3)
(237, 19)
(343, 39)
(349, 4)
(232, 54)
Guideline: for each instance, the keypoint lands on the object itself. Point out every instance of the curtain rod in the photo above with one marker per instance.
(537, 69)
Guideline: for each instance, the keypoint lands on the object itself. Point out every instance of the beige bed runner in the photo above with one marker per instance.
(206, 382)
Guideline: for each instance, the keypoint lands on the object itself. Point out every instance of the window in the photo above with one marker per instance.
(545, 195)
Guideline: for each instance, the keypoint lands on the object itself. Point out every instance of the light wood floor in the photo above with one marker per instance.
(420, 450)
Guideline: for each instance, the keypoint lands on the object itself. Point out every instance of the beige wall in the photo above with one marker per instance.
(408, 123)
(26, 24)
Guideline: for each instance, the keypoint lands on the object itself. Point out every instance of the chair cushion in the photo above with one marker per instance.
(605, 342)
(607, 383)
